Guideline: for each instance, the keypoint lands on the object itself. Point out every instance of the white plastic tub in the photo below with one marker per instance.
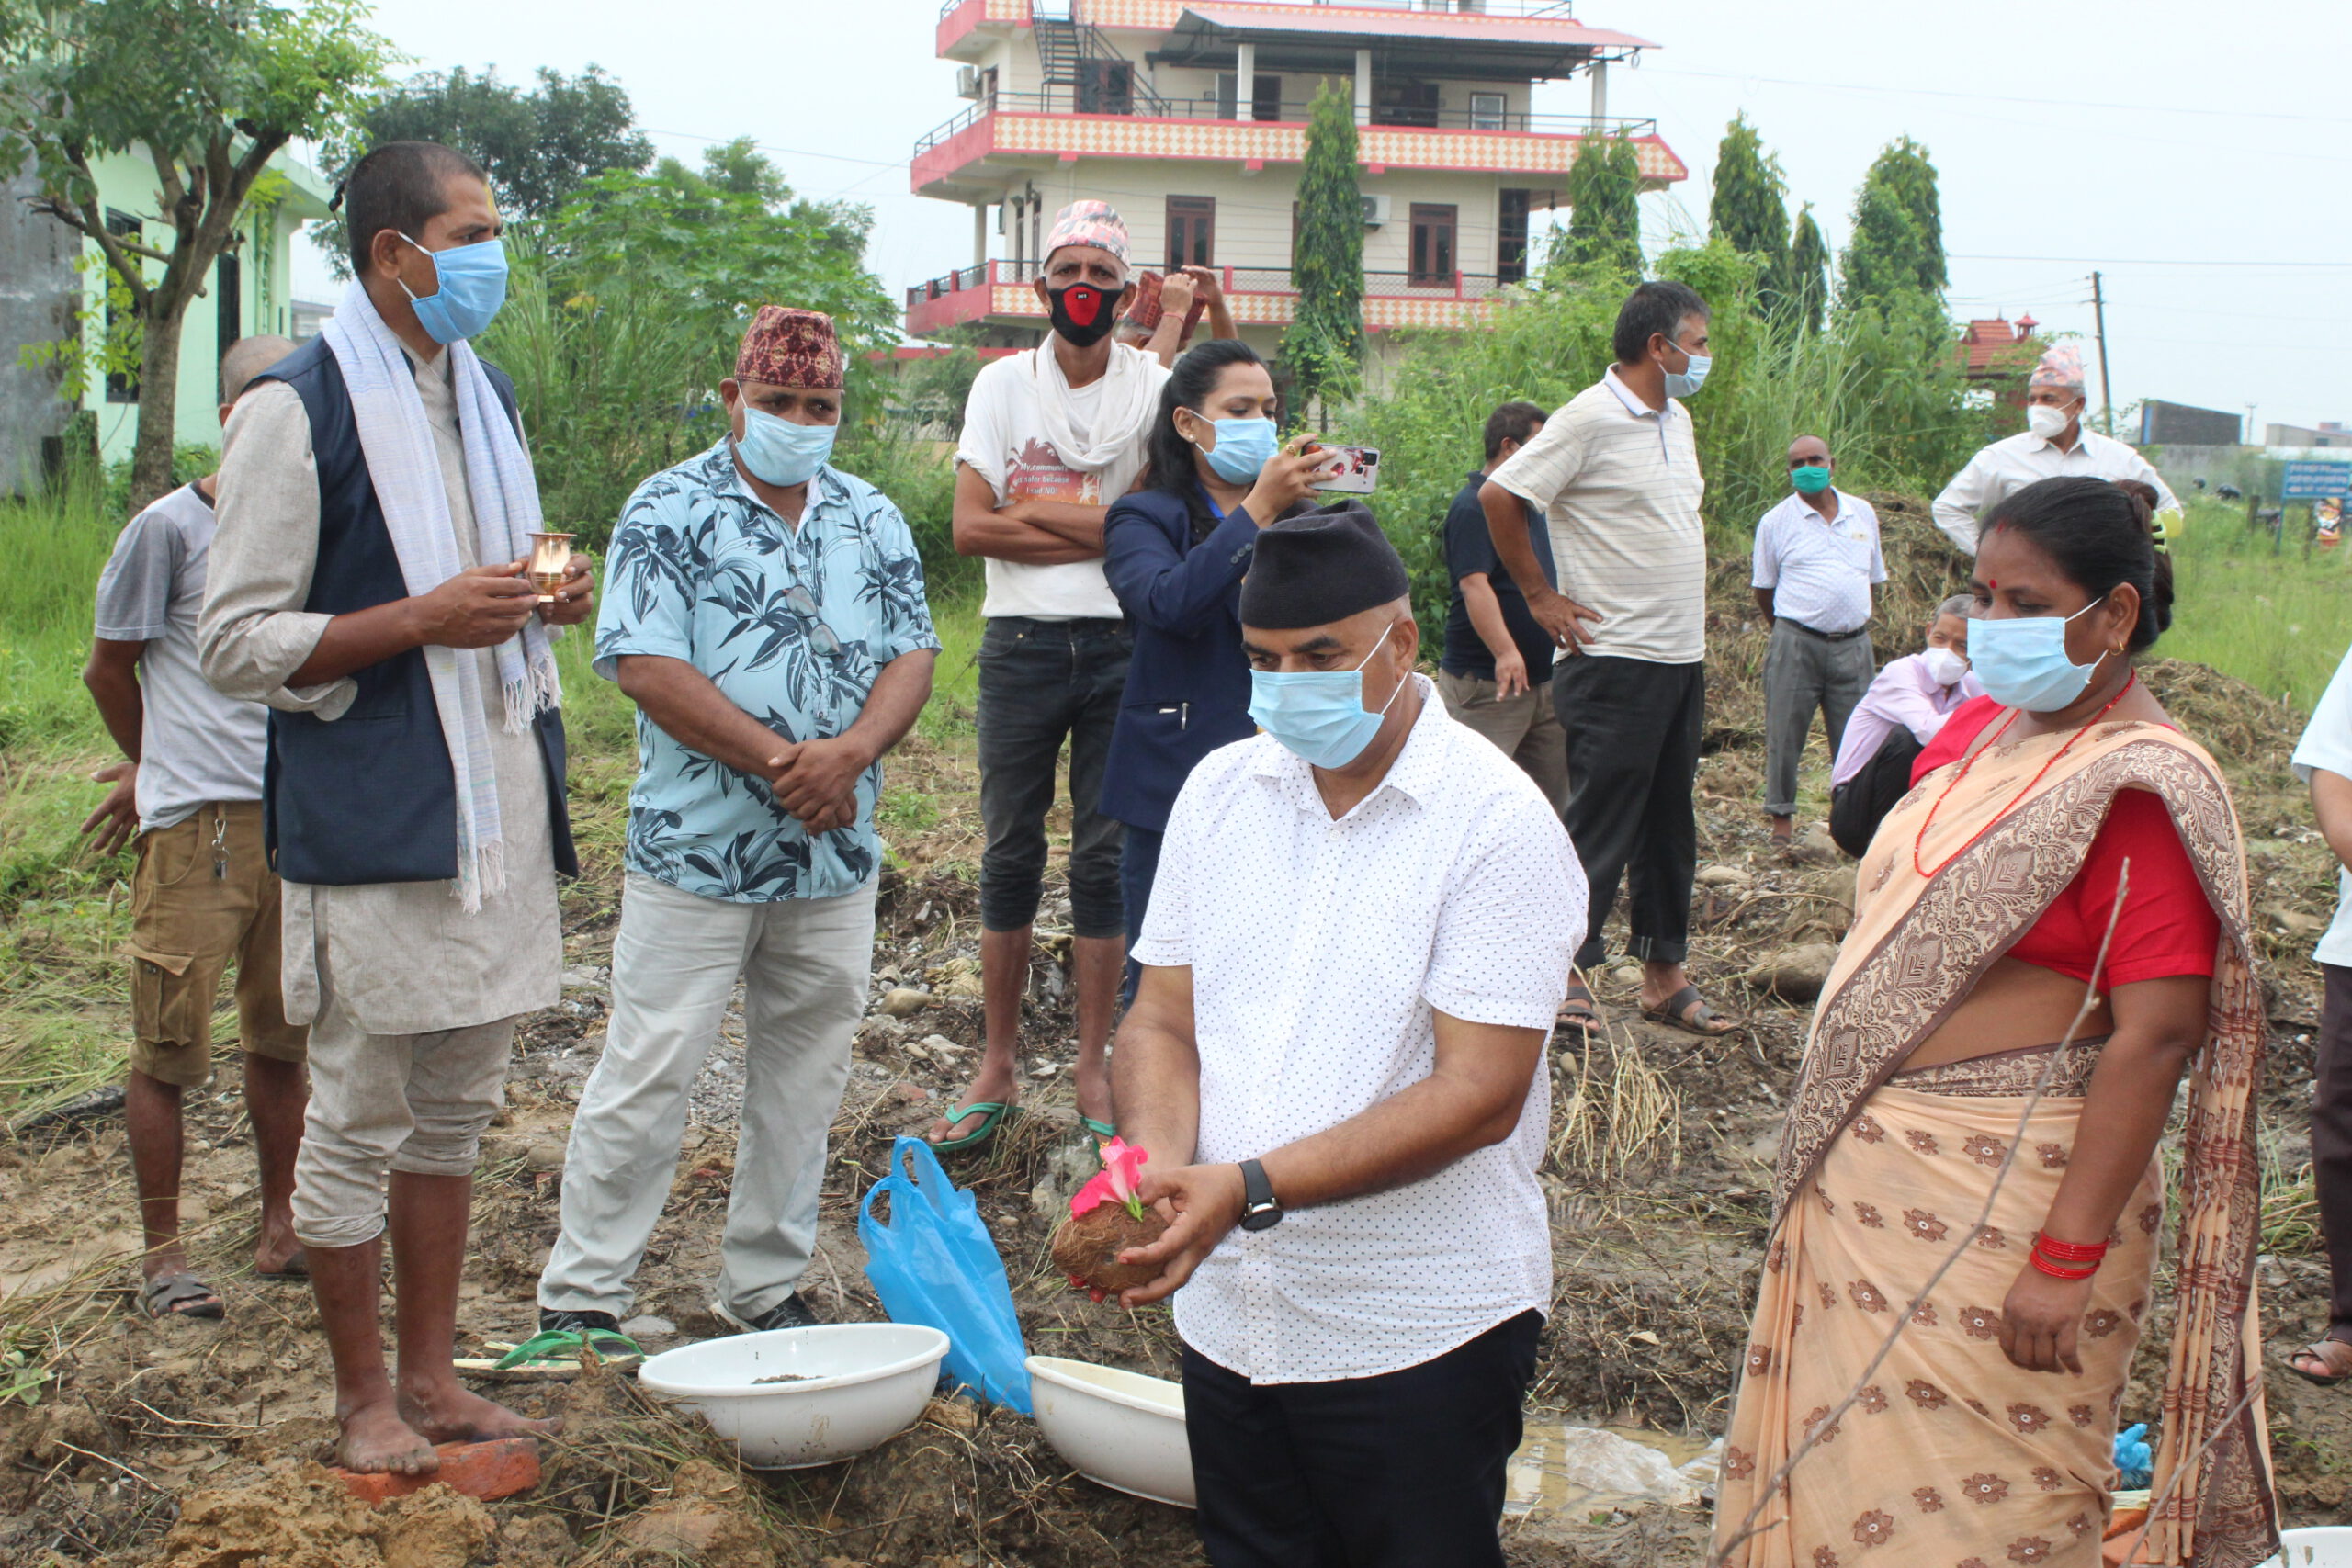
(2328, 1546)
(862, 1384)
(1123, 1429)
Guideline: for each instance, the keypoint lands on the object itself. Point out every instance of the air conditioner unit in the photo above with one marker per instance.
(967, 82)
(1376, 211)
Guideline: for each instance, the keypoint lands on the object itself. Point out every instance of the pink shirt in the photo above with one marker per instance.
(1906, 696)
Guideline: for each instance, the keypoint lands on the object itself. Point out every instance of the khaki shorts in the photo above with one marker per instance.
(203, 895)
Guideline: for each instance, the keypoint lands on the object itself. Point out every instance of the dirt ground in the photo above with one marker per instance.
(194, 1443)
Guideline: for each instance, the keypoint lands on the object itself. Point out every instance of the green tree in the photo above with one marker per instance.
(1323, 348)
(1750, 210)
(539, 147)
(1604, 232)
(1808, 272)
(1897, 247)
(625, 310)
(206, 91)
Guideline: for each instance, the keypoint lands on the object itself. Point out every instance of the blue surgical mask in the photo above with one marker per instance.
(1811, 479)
(2022, 660)
(1244, 447)
(1682, 383)
(783, 453)
(1320, 713)
(472, 286)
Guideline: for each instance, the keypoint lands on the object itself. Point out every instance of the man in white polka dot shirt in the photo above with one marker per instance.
(1356, 947)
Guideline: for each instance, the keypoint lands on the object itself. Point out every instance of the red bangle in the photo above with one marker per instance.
(2070, 1251)
(2055, 1272)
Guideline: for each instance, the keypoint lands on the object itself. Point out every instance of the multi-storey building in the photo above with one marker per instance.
(1190, 117)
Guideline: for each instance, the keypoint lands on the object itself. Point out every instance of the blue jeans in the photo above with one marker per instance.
(1042, 684)
(1138, 866)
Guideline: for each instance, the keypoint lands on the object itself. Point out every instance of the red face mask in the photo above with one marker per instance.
(1082, 313)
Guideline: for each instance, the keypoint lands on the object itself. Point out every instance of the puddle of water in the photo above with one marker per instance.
(1560, 1468)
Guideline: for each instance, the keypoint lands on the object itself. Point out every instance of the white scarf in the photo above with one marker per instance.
(1122, 415)
(398, 443)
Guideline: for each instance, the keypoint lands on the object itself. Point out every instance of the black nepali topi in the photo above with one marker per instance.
(1320, 567)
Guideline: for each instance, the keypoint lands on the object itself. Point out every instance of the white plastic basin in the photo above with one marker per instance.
(2328, 1546)
(863, 1383)
(1123, 1429)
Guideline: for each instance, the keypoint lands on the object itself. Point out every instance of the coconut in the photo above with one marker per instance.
(1087, 1246)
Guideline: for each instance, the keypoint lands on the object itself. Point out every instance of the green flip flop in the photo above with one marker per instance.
(1100, 1129)
(555, 1356)
(992, 1115)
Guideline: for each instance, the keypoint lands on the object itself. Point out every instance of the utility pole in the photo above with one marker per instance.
(2106, 393)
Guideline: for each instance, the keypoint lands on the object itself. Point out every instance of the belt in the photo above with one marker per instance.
(1827, 637)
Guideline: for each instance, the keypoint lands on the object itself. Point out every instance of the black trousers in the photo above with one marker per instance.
(2332, 1141)
(1401, 1471)
(1861, 802)
(1633, 730)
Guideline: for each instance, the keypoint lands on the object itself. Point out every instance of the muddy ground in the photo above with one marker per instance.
(191, 1443)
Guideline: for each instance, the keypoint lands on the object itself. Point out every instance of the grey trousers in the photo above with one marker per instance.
(1526, 727)
(804, 963)
(1804, 672)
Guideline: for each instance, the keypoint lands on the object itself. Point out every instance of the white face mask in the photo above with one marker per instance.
(1943, 666)
(2045, 421)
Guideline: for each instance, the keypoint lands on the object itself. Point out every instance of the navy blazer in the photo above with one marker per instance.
(1188, 683)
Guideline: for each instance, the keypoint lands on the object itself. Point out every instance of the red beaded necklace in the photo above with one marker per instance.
(1919, 840)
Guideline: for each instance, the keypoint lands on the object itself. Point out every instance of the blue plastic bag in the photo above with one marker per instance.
(2135, 1465)
(933, 1263)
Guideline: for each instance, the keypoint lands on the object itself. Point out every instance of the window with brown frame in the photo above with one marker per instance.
(1192, 231)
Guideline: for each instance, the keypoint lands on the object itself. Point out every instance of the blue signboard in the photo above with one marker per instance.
(2316, 481)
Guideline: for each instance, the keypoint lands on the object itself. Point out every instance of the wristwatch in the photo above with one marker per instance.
(1259, 1209)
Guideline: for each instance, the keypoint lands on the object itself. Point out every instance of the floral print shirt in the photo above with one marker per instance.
(792, 625)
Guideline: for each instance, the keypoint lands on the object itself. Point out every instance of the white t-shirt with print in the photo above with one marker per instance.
(1004, 444)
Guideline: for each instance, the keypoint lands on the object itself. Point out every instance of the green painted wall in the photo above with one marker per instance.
(265, 298)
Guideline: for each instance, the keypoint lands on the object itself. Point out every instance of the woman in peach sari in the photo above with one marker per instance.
(2049, 929)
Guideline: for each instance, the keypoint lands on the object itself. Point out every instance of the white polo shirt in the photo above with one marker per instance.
(2327, 743)
(1820, 572)
(1320, 952)
(1620, 486)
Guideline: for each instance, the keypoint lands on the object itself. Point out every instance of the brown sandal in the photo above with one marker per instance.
(1689, 1012)
(2318, 1351)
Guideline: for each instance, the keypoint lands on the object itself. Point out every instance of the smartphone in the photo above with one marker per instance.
(1357, 471)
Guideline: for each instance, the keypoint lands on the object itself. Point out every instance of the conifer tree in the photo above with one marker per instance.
(1898, 243)
(1605, 217)
(1323, 349)
(1750, 210)
(1808, 272)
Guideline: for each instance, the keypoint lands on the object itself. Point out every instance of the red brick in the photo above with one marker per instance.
(487, 1471)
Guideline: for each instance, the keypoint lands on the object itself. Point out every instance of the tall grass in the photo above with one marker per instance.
(2264, 615)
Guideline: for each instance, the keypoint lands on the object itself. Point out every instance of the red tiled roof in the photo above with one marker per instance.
(1994, 349)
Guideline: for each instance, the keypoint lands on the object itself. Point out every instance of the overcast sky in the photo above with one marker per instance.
(2137, 139)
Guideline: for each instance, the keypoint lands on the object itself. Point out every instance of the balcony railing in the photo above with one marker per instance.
(1556, 10)
(1234, 279)
(1066, 100)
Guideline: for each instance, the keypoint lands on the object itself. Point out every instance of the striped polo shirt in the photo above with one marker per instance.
(1619, 483)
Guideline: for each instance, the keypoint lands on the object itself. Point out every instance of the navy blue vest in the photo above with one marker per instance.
(371, 796)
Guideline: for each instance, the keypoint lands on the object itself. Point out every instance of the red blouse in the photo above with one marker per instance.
(2168, 927)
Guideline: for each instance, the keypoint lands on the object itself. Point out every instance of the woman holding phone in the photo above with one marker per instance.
(1175, 551)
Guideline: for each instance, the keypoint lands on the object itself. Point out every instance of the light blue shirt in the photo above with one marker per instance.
(792, 625)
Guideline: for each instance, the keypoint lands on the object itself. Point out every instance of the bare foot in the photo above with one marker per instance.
(376, 1440)
(448, 1413)
(278, 1253)
(995, 1084)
